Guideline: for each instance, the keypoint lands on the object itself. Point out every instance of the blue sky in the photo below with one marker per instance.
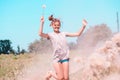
(20, 19)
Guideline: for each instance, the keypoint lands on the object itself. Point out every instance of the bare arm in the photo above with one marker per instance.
(41, 29)
(84, 22)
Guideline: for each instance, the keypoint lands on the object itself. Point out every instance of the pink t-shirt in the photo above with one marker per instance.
(60, 46)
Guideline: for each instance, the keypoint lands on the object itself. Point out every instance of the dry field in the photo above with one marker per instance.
(30, 66)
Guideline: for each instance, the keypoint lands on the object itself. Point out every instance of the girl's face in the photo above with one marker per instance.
(56, 26)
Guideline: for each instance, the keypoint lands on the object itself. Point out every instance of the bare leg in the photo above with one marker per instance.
(66, 70)
(59, 71)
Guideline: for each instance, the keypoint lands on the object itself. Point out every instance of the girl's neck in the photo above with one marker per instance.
(57, 32)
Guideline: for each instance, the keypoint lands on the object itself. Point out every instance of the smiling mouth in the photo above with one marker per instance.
(56, 28)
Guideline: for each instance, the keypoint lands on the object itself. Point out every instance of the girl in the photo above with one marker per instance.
(61, 50)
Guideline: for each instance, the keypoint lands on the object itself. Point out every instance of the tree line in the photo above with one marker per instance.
(6, 48)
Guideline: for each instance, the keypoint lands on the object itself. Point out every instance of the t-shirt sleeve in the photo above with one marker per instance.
(50, 35)
(65, 33)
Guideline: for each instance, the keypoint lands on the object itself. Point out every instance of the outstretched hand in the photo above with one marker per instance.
(84, 22)
(42, 19)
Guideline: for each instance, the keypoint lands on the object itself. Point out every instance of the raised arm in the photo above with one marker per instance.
(84, 23)
(41, 29)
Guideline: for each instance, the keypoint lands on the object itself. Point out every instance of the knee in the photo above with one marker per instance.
(60, 78)
(66, 78)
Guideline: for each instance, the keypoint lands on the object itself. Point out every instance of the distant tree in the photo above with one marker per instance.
(12, 51)
(33, 47)
(18, 49)
(5, 46)
(23, 51)
(40, 46)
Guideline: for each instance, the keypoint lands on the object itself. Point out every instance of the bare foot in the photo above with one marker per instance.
(48, 75)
